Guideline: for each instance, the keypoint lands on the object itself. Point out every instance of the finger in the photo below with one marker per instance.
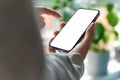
(45, 10)
(62, 24)
(50, 48)
(41, 19)
(55, 33)
(90, 31)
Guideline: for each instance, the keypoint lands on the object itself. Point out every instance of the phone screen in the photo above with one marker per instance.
(74, 29)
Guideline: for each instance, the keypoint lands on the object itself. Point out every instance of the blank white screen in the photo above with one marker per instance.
(74, 29)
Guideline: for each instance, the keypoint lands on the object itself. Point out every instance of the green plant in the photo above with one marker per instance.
(64, 6)
(102, 34)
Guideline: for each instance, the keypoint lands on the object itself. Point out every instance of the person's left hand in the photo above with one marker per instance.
(43, 10)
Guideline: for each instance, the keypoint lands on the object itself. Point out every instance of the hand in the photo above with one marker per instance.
(44, 10)
(83, 46)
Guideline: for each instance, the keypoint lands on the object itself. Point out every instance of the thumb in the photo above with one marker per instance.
(89, 33)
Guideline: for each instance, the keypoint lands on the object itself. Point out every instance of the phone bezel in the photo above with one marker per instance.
(82, 34)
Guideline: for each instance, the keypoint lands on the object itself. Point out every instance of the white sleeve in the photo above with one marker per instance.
(62, 66)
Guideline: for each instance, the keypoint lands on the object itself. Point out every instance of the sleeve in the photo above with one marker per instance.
(62, 66)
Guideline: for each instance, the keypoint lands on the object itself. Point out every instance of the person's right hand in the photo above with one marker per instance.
(43, 10)
(83, 46)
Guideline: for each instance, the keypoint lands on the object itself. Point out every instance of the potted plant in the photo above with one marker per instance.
(98, 56)
(117, 53)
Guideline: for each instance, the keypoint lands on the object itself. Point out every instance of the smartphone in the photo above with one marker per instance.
(74, 29)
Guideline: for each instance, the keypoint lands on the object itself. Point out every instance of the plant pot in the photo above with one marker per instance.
(117, 54)
(97, 63)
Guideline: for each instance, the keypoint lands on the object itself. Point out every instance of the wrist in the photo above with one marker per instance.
(78, 52)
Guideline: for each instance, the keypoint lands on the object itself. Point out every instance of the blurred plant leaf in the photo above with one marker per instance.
(56, 4)
(70, 0)
(106, 36)
(112, 18)
(64, 4)
(66, 16)
(98, 32)
(57, 1)
(116, 34)
(110, 7)
(55, 7)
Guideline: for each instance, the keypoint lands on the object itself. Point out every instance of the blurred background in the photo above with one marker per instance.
(103, 60)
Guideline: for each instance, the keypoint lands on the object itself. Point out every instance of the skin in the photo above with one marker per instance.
(83, 46)
(44, 10)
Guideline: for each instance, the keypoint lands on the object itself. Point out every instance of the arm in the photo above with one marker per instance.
(74, 59)
(62, 66)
